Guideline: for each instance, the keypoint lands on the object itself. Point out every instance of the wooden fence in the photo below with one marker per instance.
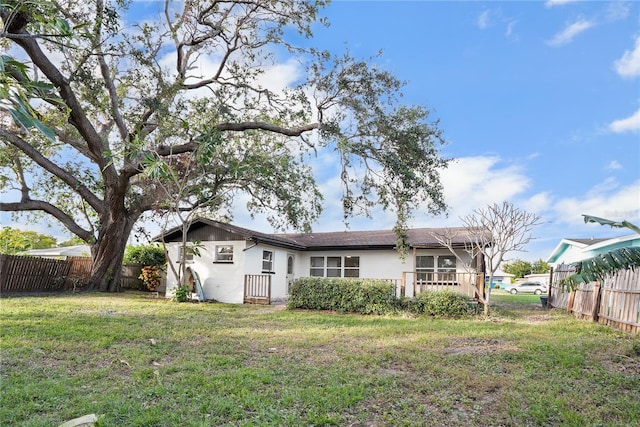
(35, 274)
(257, 288)
(29, 274)
(614, 301)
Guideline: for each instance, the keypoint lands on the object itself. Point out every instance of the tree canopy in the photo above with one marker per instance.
(521, 268)
(105, 106)
(15, 241)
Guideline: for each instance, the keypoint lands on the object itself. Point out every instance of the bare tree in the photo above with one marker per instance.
(494, 231)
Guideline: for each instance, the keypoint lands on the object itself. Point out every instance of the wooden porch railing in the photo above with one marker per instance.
(469, 284)
(257, 289)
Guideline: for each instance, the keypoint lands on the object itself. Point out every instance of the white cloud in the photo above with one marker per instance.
(607, 199)
(628, 124)
(566, 35)
(629, 64)
(484, 20)
(617, 10)
(613, 165)
(552, 3)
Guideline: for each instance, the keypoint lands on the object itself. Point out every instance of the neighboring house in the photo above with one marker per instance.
(572, 250)
(500, 279)
(61, 252)
(236, 261)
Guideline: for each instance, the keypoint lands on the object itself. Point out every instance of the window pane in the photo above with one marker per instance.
(447, 263)
(352, 262)
(289, 264)
(224, 253)
(424, 262)
(317, 272)
(333, 272)
(334, 261)
(267, 261)
(189, 254)
(354, 272)
(317, 262)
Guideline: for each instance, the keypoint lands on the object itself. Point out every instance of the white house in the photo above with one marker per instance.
(237, 264)
(62, 252)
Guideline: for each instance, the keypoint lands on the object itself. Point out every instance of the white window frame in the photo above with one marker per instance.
(222, 257)
(267, 261)
(188, 259)
(334, 266)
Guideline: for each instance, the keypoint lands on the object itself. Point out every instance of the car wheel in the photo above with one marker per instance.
(514, 291)
(537, 292)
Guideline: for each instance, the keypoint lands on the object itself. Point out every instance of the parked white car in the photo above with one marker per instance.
(527, 288)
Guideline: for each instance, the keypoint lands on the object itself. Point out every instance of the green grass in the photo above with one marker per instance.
(138, 361)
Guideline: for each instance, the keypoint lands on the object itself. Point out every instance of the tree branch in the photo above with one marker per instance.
(51, 167)
(38, 205)
(78, 117)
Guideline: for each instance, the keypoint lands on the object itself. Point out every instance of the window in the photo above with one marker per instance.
(224, 253)
(290, 264)
(188, 256)
(352, 266)
(334, 266)
(348, 266)
(426, 270)
(317, 266)
(267, 261)
(446, 268)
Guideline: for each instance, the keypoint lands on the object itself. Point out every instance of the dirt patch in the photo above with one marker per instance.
(464, 346)
(538, 318)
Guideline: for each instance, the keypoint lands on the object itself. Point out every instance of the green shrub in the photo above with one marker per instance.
(368, 296)
(444, 303)
(181, 294)
(364, 296)
(148, 255)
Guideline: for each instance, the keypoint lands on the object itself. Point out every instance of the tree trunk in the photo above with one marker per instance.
(108, 253)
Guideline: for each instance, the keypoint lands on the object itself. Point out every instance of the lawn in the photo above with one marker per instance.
(135, 360)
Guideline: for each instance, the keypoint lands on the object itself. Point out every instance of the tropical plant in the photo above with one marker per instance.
(151, 277)
(602, 265)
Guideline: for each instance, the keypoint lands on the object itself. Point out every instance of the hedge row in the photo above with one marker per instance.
(367, 296)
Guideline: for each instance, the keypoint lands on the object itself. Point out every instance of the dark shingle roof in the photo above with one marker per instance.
(371, 239)
(418, 237)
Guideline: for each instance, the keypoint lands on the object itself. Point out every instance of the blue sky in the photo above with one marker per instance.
(539, 102)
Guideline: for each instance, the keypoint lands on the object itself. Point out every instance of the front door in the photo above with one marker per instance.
(291, 258)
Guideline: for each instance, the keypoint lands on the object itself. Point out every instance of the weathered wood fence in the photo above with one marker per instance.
(615, 301)
(34, 274)
(257, 288)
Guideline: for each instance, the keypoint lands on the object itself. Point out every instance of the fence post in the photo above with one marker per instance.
(597, 296)
(403, 284)
(572, 296)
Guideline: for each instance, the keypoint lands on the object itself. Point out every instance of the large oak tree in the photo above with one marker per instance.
(101, 103)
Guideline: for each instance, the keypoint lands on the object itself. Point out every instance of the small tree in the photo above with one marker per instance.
(493, 232)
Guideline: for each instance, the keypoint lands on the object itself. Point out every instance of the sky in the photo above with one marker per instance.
(539, 102)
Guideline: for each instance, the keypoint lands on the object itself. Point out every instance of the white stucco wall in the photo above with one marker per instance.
(220, 281)
(224, 282)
